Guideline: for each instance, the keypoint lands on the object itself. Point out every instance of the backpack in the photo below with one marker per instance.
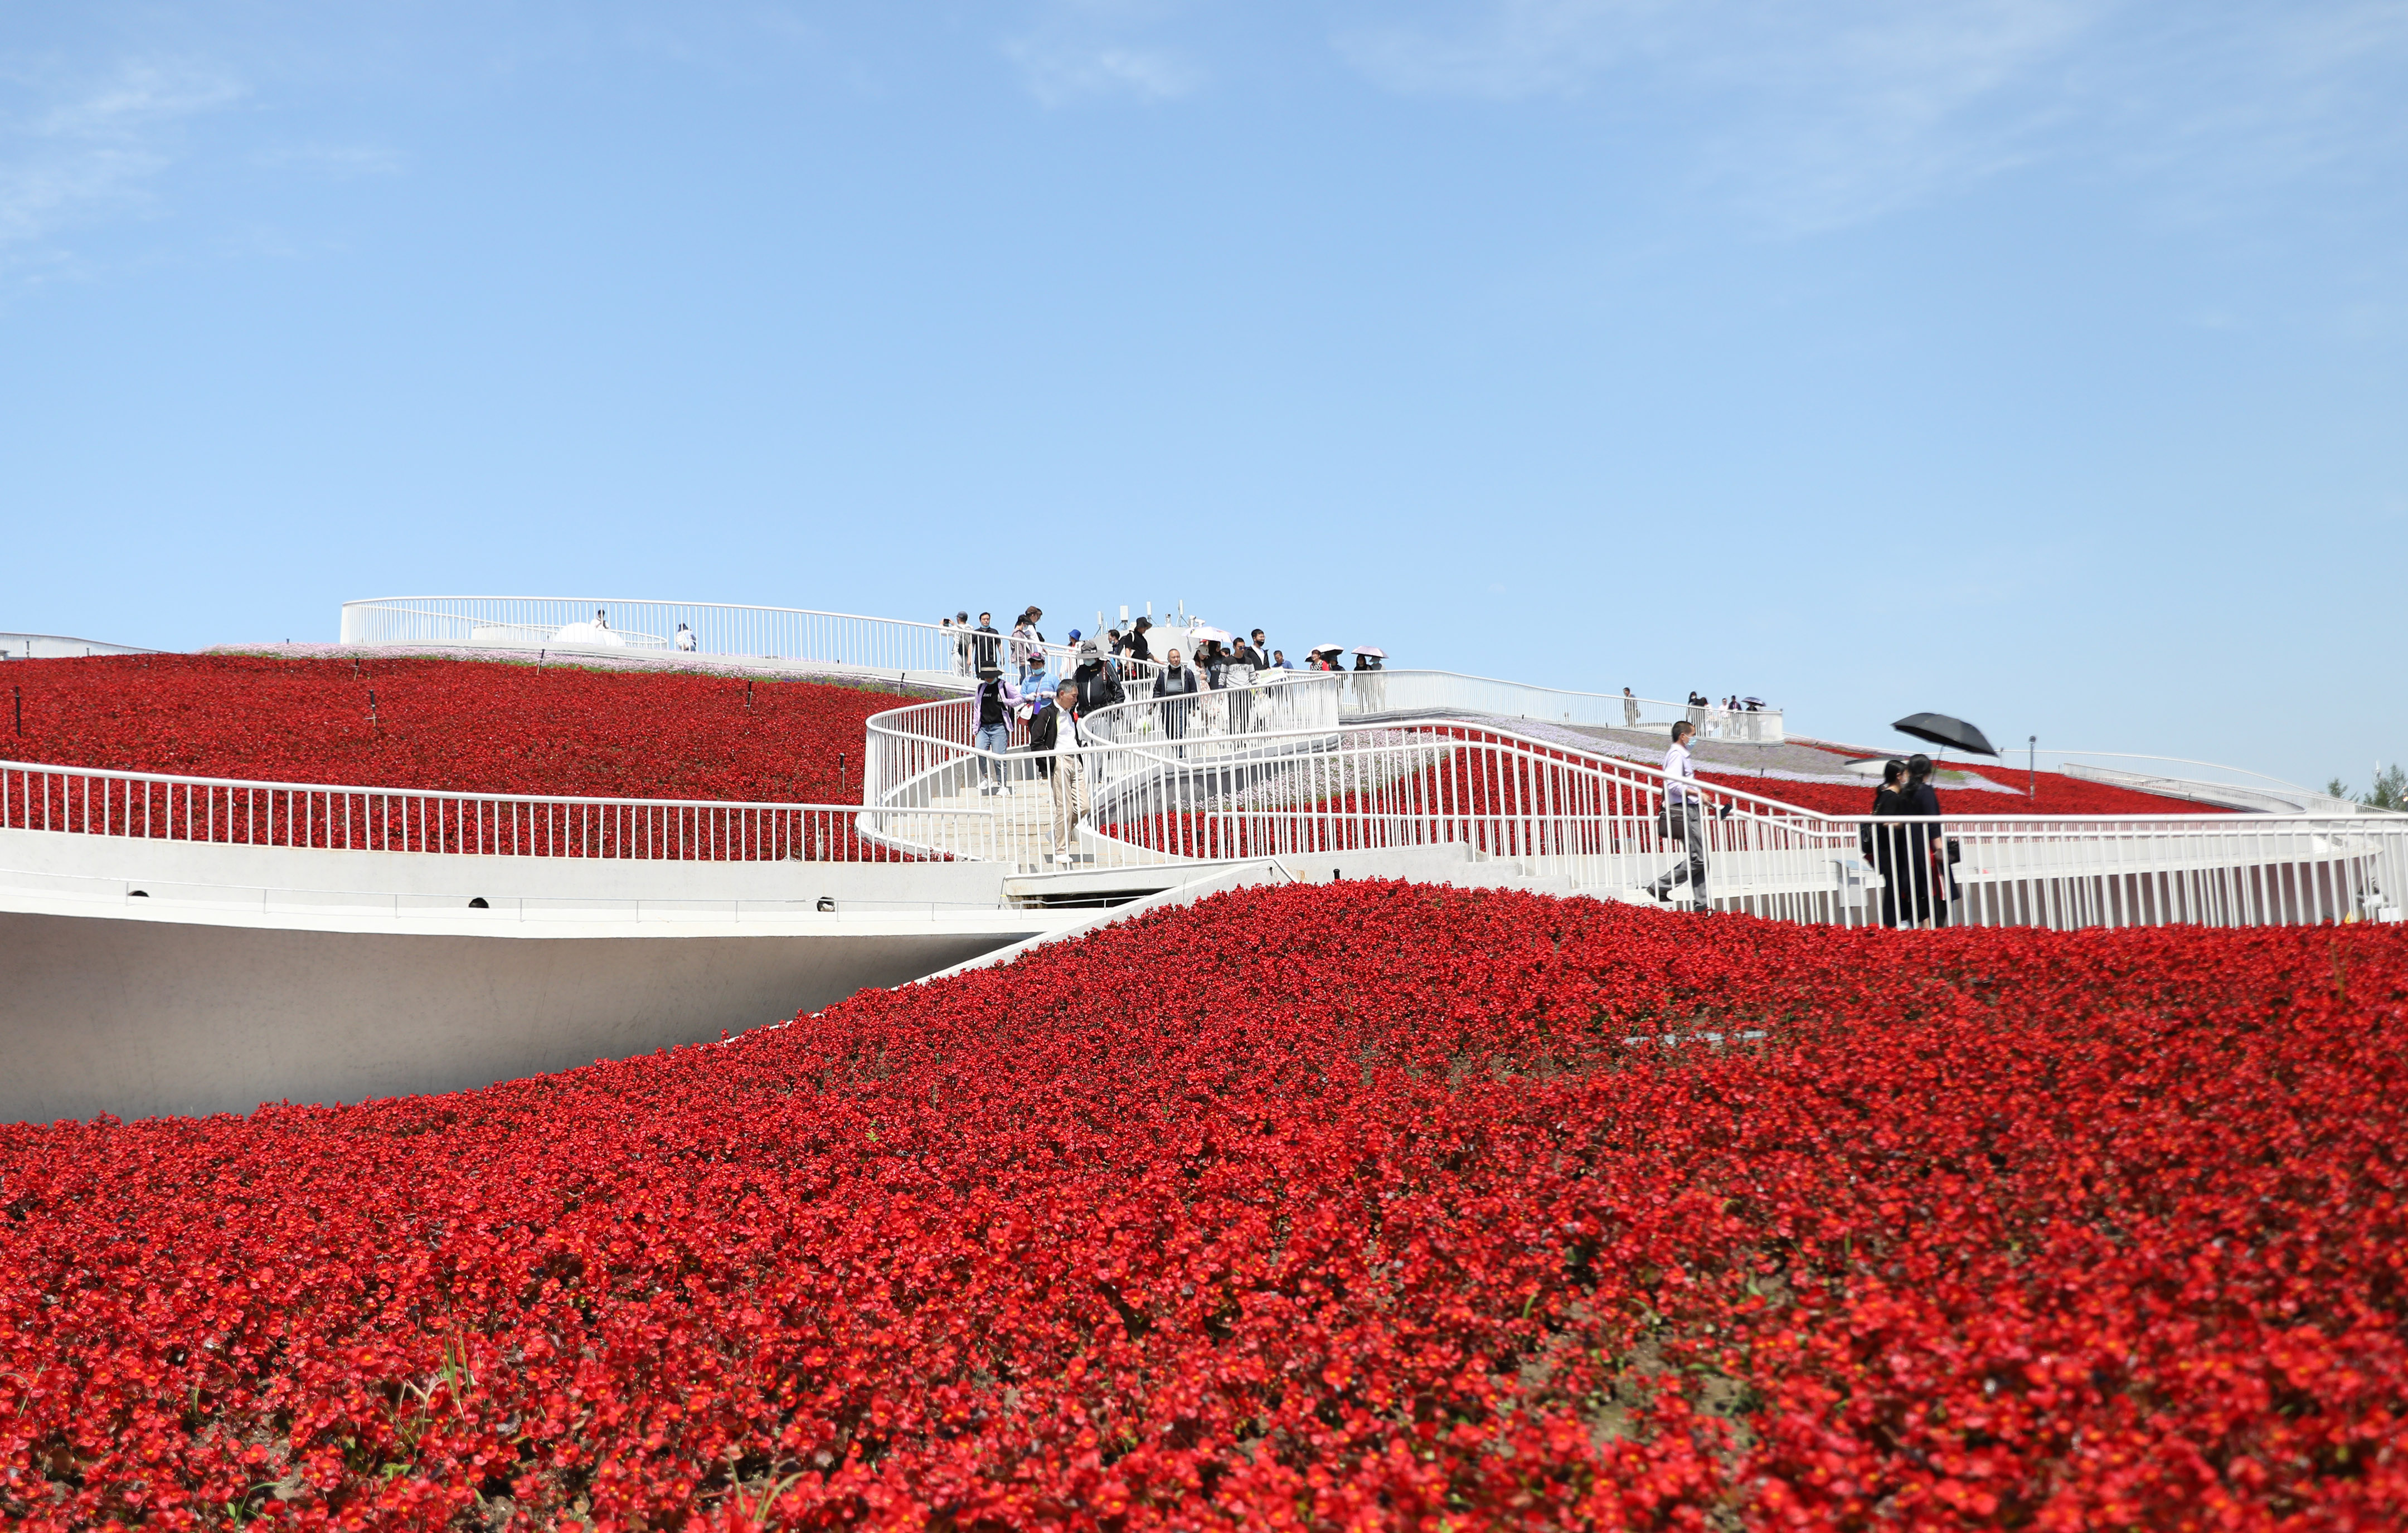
(1100, 690)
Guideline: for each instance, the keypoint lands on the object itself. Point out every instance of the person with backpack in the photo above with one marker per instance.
(1098, 686)
(992, 709)
(1057, 742)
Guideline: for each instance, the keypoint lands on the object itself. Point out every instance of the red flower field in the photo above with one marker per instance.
(2059, 795)
(465, 725)
(1352, 1206)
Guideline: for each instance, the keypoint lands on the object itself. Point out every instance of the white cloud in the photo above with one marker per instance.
(1813, 116)
(73, 149)
(1517, 47)
(341, 162)
(1057, 74)
(1088, 49)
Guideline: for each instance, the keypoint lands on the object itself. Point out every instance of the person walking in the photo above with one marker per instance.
(1629, 709)
(961, 644)
(1243, 663)
(1175, 688)
(996, 699)
(1058, 740)
(1141, 647)
(1280, 661)
(1684, 821)
(1931, 843)
(1884, 846)
(1098, 686)
(1025, 641)
(986, 648)
(1036, 687)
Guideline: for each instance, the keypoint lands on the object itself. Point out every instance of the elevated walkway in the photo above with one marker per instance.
(186, 944)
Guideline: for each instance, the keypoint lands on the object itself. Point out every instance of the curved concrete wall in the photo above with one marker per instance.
(137, 1016)
(141, 977)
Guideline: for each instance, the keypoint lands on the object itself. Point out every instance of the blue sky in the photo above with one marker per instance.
(2040, 361)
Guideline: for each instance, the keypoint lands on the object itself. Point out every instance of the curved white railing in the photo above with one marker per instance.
(160, 806)
(923, 652)
(1304, 699)
(1282, 771)
(1596, 822)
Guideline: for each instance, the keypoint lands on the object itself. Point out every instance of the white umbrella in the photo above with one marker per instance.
(1373, 650)
(1324, 648)
(1198, 634)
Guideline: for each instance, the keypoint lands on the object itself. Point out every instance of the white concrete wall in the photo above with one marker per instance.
(239, 974)
(143, 1016)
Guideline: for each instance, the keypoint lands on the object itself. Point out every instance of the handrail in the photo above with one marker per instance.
(1488, 793)
(1278, 695)
(320, 816)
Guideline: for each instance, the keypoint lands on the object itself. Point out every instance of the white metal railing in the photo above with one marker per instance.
(163, 807)
(1597, 821)
(1281, 701)
(923, 650)
(1217, 792)
(61, 647)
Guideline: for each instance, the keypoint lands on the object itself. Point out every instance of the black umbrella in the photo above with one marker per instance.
(1939, 729)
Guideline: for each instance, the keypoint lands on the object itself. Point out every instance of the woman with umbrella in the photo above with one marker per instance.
(1370, 689)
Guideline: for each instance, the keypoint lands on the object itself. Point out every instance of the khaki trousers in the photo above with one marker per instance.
(1069, 801)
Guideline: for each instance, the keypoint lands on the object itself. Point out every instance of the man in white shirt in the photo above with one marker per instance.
(1058, 740)
(1684, 821)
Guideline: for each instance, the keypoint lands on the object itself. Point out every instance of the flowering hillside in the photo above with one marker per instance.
(1352, 1206)
(465, 725)
(2058, 794)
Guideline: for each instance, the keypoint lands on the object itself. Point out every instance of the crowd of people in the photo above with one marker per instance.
(1221, 660)
(1016, 682)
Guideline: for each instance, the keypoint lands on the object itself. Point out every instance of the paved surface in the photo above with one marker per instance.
(1639, 745)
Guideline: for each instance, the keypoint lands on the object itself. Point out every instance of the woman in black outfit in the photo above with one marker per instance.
(1926, 800)
(1889, 844)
